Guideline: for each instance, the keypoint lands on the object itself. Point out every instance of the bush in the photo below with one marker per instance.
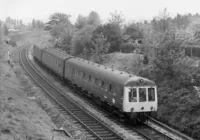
(81, 40)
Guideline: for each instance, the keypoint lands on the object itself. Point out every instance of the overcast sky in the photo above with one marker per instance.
(131, 9)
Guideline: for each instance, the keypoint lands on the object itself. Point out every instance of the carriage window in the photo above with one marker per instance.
(133, 95)
(96, 81)
(102, 84)
(110, 87)
(99, 82)
(90, 78)
(79, 74)
(84, 76)
(151, 94)
(142, 94)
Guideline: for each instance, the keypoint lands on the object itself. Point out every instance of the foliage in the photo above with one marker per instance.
(128, 47)
(196, 28)
(81, 22)
(161, 23)
(116, 18)
(169, 56)
(33, 23)
(93, 19)
(134, 31)
(113, 34)
(1, 33)
(5, 29)
(61, 30)
(58, 18)
(57, 30)
(101, 45)
(178, 101)
(64, 41)
(37, 24)
(81, 40)
(181, 21)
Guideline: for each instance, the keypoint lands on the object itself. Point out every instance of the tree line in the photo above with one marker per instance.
(164, 37)
(88, 35)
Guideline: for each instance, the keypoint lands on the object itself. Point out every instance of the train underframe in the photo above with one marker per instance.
(130, 117)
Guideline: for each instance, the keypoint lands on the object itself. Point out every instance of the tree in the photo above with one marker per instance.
(5, 29)
(20, 22)
(40, 24)
(181, 21)
(93, 19)
(1, 33)
(113, 33)
(65, 39)
(161, 23)
(81, 22)
(33, 23)
(170, 59)
(101, 45)
(134, 31)
(116, 18)
(81, 40)
(128, 47)
(58, 18)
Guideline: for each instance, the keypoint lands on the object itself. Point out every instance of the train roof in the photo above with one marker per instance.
(110, 74)
(36, 46)
(58, 53)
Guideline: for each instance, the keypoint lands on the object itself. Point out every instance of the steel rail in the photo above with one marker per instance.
(93, 125)
(144, 130)
(171, 130)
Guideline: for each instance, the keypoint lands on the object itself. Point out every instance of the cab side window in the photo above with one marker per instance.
(132, 95)
(142, 94)
(151, 94)
(109, 87)
(96, 81)
(84, 76)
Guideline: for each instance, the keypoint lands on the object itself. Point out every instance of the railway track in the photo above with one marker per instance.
(94, 128)
(168, 129)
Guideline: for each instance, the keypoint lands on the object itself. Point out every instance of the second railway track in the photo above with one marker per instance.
(95, 128)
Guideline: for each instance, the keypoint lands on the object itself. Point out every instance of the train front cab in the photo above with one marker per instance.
(140, 102)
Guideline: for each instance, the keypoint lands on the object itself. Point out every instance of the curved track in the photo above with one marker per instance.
(95, 129)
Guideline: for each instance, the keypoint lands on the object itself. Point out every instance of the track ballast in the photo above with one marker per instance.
(95, 128)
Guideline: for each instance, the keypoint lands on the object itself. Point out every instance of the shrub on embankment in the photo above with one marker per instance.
(178, 100)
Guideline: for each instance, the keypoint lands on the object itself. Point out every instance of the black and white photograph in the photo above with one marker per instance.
(99, 70)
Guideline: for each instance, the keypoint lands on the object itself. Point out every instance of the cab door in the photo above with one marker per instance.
(130, 98)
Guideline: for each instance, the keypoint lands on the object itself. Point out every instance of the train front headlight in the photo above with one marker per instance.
(152, 108)
(142, 108)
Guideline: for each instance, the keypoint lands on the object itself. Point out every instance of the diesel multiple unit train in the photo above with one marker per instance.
(125, 94)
